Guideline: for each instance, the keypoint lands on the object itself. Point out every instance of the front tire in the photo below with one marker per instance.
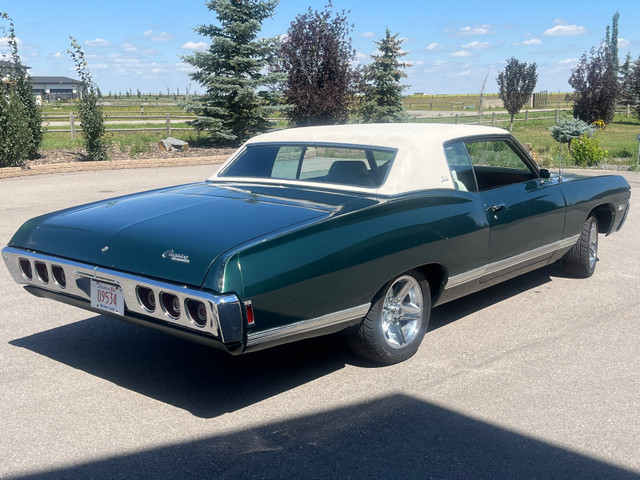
(581, 260)
(393, 329)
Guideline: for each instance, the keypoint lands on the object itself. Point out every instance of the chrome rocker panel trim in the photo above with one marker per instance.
(510, 262)
(225, 318)
(304, 327)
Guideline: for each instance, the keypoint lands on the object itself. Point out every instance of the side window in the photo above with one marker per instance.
(460, 166)
(496, 164)
(286, 163)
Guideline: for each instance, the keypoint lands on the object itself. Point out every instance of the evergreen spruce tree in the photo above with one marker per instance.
(382, 101)
(238, 96)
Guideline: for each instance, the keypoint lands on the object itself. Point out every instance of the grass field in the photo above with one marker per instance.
(471, 102)
(618, 138)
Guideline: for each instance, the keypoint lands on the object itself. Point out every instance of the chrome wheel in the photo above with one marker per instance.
(402, 312)
(593, 245)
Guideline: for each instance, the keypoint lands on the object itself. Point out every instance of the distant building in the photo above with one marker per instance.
(55, 88)
(48, 88)
(7, 70)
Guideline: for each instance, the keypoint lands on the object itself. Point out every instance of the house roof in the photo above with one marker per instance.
(6, 64)
(58, 80)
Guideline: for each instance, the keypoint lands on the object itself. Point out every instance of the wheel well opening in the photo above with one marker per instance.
(434, 274)
(604, 215)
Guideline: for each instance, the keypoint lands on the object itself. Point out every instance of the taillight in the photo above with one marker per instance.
(250, 318)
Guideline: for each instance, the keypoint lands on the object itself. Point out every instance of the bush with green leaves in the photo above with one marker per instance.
(15, 135)
(28, 124)
(89, 109)
(569, 129)
(586, 151)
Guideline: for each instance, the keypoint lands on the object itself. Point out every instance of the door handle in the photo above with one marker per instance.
(497, 208)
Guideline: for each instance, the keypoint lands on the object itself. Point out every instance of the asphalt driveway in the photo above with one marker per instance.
(538, 377)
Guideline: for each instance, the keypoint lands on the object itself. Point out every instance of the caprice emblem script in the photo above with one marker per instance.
(176, 257)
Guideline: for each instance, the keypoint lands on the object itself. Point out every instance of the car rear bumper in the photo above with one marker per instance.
(222, 326)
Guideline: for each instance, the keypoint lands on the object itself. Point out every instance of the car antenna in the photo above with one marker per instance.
(560, 166)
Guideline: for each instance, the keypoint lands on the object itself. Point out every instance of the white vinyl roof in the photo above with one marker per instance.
(419, 164)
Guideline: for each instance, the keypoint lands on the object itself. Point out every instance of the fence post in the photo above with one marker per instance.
(457, 118)
(526, 116)
(493, 119)
(557, 115)
(168, 123)
(72, 125)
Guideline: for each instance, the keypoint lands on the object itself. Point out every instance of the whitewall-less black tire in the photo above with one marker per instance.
(398, 318)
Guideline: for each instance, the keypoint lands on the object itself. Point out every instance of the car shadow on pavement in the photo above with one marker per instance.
(394, 437)
(457, 309)
(207, 382)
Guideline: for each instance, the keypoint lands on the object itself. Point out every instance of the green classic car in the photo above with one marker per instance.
(309, 231)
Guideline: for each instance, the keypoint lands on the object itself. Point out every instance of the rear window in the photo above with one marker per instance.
(342, 165)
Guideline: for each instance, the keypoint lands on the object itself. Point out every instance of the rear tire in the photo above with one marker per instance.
(393, 329)
(581, 260)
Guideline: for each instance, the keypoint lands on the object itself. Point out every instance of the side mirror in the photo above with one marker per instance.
(544, 173)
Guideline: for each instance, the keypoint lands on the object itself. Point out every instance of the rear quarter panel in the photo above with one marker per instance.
(584, 194)
(343, 261)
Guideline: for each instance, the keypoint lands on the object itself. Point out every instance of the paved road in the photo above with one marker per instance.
(535, 378)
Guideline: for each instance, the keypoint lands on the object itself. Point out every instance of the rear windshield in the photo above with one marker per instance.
(343, 165)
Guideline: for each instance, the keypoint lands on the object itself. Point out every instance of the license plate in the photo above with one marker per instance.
(107, 297)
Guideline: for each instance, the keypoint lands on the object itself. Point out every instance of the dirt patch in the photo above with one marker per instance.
(60, 161)
(115, 153)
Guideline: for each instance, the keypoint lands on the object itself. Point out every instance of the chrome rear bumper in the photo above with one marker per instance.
(60, 278)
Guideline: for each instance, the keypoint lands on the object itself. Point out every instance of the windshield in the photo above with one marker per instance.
(343, 165)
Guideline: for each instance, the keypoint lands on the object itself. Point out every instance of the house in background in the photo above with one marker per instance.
(55, 88)
(46, 88)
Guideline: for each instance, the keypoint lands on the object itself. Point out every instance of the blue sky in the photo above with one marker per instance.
(451, 46)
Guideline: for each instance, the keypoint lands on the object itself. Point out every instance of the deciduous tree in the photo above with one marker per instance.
(89, 109)
(317, 55)
(595, 84)
(24, 94)
(239, 92)
(516, 84)
(382, 101)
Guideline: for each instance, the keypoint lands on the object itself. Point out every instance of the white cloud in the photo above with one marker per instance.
(565, 31)
(568, 60)
(368, 34)
(98, 42)
(195, 46)
(128, 47)
(4, 41)
(465, 73)
(435, 47)
(461, 54)
(531, 41)
(476, 45)
(623, 42)
(58, 54)
(158, 37)
(480, 30)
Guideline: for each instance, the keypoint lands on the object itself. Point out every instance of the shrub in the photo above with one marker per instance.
(586, 151)
(570, 129)
(15, 135)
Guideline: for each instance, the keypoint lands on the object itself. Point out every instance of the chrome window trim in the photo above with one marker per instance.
(306, 326)
(477, 273)
(78, 275)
